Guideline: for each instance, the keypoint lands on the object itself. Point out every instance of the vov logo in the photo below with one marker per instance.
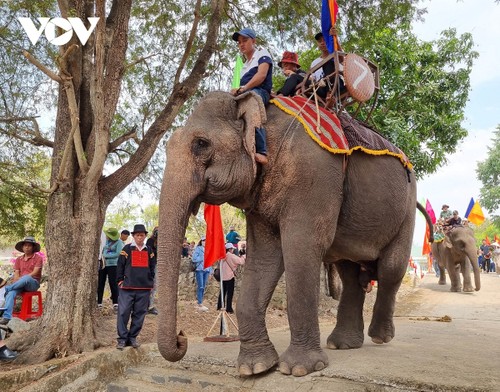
(48, 25)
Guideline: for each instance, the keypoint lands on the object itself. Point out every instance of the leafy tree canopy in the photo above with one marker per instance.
(488, 172)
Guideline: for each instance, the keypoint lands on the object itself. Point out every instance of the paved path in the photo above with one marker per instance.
(425, 355)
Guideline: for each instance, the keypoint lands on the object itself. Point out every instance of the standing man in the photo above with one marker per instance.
(256, 76)
(233, 237)
(27, 274)
(124, 236)
(135, 276)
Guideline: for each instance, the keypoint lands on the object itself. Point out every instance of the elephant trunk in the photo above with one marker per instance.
(177, 201)
(472, 255)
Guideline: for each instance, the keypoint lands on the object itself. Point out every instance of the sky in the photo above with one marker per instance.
(455, 183)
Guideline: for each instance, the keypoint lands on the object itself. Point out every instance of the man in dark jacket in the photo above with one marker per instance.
(135, 276)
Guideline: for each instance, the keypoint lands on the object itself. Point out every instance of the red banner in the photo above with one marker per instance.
(214, 245)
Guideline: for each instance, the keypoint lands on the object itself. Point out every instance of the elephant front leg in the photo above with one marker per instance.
(348, 332)
(263, 269)
(454, 271)
(442, 275)
(302, 268)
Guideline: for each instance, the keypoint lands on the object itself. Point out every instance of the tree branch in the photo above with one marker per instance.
(117, 181)
(37, 138)
(139, 60)
(132, 134)
(42, 67)
(189, 44)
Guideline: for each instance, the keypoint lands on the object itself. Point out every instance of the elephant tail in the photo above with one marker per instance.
(422, 209)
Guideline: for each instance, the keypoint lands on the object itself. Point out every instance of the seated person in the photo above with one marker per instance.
(329, 67)
(455, 220)
(294, 75)
(27, 275)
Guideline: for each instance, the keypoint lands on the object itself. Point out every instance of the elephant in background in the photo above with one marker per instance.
(458, 254)
(305, 208)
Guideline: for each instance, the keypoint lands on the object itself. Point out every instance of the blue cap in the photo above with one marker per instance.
(245, 33)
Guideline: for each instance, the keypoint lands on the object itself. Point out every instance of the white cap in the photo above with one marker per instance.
(230, 246)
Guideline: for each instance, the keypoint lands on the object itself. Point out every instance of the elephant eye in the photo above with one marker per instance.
(200, 145)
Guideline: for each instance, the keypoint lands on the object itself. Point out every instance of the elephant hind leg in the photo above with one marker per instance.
(348, 332)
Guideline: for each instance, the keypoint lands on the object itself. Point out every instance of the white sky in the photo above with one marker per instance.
(455, 183)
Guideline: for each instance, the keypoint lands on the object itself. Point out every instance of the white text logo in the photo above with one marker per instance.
(49, 26)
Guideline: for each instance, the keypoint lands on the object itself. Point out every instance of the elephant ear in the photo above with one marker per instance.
(252, 111)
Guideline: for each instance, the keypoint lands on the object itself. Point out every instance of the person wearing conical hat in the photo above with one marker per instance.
(27, 274)
(110, 253)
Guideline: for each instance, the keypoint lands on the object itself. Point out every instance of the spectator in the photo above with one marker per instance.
(228, 267)
(152, 242)
(27, 275)
(185, 248)
(6, 354)
(124, 236)
(135, 276)
(294, 75)
(257, 77)
(486, 256)
(110, 253)
(201, 274)
(192, 245)
(445, 213)
(243, 249)
(233, 237)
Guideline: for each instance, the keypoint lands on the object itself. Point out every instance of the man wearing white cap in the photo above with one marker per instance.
(228, 267)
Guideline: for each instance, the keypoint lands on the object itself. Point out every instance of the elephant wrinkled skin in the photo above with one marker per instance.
(306, 207)
(457, 253)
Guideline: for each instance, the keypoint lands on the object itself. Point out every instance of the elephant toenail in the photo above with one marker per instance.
(284, 368)
(259, 368)
(299, 371)
(319, 366)
(245, 370)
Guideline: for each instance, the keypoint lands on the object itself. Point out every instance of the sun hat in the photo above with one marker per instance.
(445, 205)
(249, 33)
(30, 240)
(230, 246)
(112, 233)
(139, 229)
(289, 57)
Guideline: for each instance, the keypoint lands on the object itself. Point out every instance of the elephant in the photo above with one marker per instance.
(306, 207)
(457, 252)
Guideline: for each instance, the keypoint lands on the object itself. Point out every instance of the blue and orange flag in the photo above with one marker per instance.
(469, 208)
(329, 10)
(214, 245)
(476, 215)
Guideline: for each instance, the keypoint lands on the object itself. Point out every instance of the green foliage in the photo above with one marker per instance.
(488, 173)
(487, 228)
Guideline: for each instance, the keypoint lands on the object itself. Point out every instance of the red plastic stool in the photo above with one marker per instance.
(27, 311)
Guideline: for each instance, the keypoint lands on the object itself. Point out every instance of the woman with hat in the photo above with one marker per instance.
(27, 274)
(228, 267)
(110, 253)
(294, 75)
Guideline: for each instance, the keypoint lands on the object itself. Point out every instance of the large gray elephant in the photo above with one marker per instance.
(307, 206)
(458, 254)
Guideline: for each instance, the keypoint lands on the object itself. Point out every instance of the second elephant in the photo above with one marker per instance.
(457, 253)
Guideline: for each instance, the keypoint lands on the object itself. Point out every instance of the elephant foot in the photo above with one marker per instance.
(442, 281)
(381, 333)
(456, 289)
(468, 289)
(345, 339)
(256, 359)
(299, 362)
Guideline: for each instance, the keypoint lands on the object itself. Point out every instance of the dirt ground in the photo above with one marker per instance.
(196, 324)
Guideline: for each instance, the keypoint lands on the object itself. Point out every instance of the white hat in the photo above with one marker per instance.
(230, 246)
